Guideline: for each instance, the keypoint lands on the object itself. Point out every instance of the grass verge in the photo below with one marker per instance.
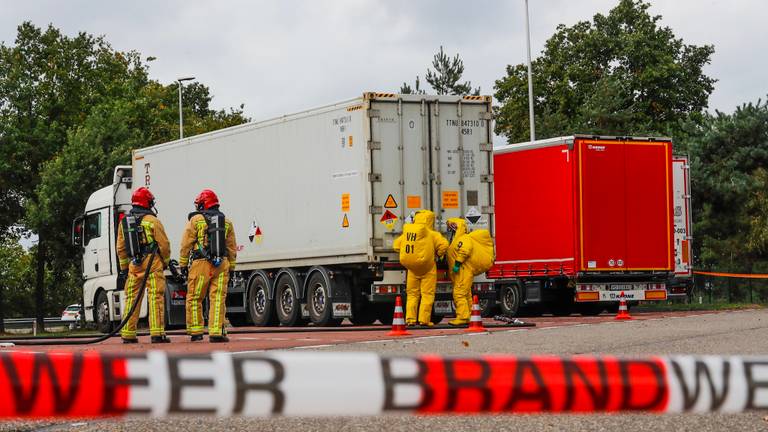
(668, 307)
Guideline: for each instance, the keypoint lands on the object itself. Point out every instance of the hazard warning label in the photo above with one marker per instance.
(254, 235)
(413, 201)
(345, 221)
(388, 219)
(390, 202)
(450, 199)
(473, 215)
(345, 202)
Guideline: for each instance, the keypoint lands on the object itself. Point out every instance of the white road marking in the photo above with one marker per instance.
(312, 346)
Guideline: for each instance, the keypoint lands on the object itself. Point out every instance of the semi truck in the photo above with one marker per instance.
(316, 198)
(579, 220)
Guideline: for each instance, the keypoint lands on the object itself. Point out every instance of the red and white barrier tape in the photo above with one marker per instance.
(87, 385)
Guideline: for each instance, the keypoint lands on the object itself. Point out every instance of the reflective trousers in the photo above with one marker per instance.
(204, 278)
(420, 296)
(462, 293)
(155, 296)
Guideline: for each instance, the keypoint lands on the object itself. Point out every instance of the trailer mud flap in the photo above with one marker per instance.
(444, 307)
(342, 310)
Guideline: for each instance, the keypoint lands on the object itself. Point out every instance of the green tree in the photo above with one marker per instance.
(48, 83)
(445, 77)
(71, 108)
(620, 74)
(15, 269)
(416, 89)
(729, 181)
(103, 141)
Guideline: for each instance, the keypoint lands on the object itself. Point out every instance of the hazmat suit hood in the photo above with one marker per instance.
(461, 226)
(425, 217)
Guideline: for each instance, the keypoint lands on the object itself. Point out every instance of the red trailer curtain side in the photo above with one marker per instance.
(583, 205)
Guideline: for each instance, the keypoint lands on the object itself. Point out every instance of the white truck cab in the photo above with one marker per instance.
(95, 231)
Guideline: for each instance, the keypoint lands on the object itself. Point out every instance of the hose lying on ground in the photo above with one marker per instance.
(101, 338)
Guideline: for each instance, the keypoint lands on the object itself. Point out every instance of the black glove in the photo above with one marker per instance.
(185, 272)
(123, 273)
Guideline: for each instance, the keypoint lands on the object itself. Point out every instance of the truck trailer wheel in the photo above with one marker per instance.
(487, 307)
(363, 313)
(319, 302)
(287, 304)
(101, 313)
(562, 308)
(261, 309)
(511, 299)
(591, 309)
(385, 312)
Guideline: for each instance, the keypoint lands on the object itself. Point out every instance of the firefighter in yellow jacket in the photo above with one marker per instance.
(140, 234)
(419, 246)
(209, 242)
(469, 255)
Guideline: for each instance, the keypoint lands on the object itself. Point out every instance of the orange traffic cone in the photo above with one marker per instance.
(398, 321)
(475, 321)
(623, 311)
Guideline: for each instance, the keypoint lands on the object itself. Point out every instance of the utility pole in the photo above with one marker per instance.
(530, 75)
(181, 116)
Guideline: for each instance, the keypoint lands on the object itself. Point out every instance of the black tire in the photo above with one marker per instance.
(511, 299)
(363, 314)
(561, 309)
(488, 307)
(261, 310)
(385, 313)
(238, 320)
(319, 302)
(287, 303)
(591, 309)
(101, 313)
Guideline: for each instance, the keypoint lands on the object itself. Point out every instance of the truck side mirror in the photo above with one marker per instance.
(77, 231)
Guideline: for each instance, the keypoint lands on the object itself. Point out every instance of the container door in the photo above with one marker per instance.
(461, 163)
(602, 205)
(682, 215)
(399, 165)
(649, 201)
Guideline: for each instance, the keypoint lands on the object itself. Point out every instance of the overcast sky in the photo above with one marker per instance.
(278, 57)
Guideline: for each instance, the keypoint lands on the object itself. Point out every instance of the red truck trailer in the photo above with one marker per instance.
(580, 219)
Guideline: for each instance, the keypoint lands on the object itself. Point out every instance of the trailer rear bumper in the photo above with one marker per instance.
(612, 292)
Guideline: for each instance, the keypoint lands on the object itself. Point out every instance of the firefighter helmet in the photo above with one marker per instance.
(206, 200)
(142, 197)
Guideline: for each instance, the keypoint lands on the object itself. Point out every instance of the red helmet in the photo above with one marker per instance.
(206, 200)
(142, 197)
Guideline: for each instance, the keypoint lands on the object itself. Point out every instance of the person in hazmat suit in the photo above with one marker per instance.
(419, 247)
(469, 255)
(208, 242)
(139, 236)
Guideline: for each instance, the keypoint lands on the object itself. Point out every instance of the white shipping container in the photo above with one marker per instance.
(317, 199)
(331, 185)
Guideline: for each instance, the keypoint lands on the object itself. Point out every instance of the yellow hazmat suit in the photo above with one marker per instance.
(468, 256)
(418, 246)
(154, 233)
(205, 278)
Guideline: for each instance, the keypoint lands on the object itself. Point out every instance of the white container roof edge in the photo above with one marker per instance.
(387, 97)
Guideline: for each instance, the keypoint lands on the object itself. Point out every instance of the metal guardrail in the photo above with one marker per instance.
(17, 323)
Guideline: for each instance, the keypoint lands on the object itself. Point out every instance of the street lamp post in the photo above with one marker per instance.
(530, 77)
(181, 117)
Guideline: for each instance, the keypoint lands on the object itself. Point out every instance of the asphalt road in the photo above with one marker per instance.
(742, 332)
